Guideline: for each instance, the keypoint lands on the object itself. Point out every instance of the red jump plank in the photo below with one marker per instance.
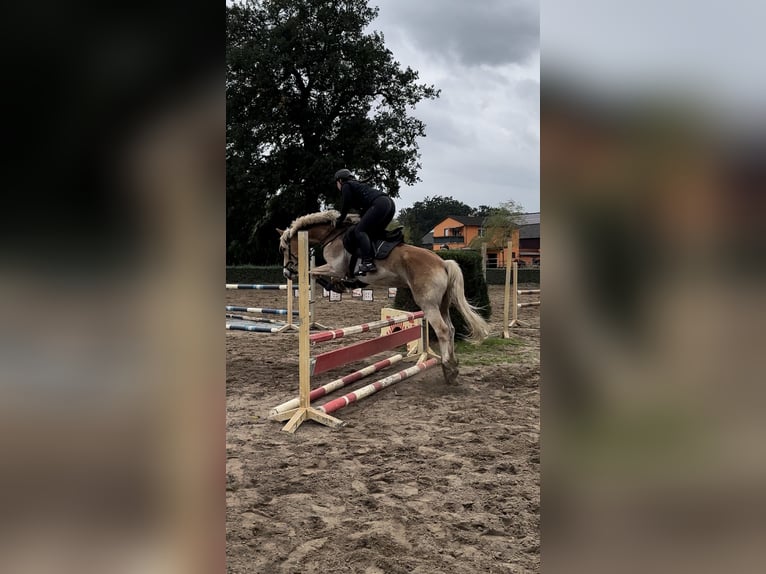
(364, 349)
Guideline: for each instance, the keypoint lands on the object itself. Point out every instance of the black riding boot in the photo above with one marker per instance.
(366, 266)
(365, 248)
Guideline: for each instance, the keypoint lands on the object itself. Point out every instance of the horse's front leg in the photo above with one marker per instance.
(327, 270)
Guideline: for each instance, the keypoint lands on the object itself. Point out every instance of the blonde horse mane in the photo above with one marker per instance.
(309, 220)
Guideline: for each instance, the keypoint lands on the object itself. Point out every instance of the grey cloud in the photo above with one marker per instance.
(492, 32)
(444, 130)
(469, 169)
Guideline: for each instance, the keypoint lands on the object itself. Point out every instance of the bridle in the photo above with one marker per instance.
(292, 259)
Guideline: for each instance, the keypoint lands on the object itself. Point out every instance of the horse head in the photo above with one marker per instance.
(320, 227)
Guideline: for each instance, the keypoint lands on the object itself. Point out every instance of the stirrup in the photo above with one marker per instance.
(365, 267)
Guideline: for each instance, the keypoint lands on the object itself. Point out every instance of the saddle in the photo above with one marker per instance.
(381, 247)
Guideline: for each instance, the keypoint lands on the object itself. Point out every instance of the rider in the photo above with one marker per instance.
(375, 208)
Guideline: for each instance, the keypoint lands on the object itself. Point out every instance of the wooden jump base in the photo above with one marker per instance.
(512, 299)
(413, 347)
(299, 410)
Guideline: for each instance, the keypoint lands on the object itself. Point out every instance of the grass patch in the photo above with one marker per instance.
(492, 351)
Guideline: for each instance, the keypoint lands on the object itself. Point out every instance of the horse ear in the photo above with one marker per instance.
(280, 231)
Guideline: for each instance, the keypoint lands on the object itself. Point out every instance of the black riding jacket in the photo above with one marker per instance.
(355, 195)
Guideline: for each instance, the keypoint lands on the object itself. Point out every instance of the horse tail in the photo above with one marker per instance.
(478, 329)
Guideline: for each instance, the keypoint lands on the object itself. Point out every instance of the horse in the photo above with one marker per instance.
(436, 284)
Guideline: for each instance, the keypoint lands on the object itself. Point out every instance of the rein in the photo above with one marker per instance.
(326, 240)
(292, 259)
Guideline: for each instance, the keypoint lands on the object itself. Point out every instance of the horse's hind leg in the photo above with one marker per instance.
(451, 370)
(445, 333)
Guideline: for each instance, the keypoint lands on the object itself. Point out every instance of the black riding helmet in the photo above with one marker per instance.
(343, 175)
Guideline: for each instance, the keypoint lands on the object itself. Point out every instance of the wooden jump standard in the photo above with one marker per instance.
(297, 414)
(512, 299)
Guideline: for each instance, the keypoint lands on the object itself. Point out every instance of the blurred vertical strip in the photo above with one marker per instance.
(112, 406)
(653, 171)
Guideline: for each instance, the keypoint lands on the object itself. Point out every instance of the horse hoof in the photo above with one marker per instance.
(450, 375)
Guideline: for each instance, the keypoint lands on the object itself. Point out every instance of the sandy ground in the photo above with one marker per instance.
(424, 478)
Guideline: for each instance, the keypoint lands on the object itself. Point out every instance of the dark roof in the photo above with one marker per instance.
(529, 218)
(529, 231)
(468, 219)
(428, 238)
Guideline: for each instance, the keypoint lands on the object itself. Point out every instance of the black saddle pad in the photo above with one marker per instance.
(382, 246)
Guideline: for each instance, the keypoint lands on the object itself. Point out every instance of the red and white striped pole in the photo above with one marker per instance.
(364, 327)
(372, 388)
(338, 383)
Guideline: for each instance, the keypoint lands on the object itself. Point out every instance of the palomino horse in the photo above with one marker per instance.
(436, 283)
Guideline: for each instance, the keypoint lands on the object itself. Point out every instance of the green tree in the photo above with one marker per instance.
(499, 223)
(423, 216)
(483, 211)
(310, 90)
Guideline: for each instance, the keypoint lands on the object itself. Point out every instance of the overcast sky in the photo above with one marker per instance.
(482, 144)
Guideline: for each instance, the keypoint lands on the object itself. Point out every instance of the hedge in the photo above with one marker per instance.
(526, 275)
